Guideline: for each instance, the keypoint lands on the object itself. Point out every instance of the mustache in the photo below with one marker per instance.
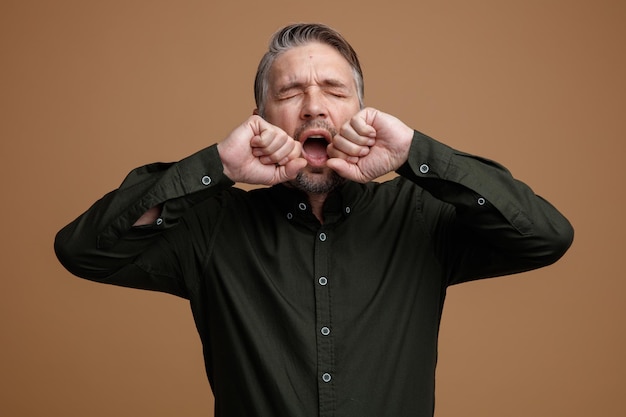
(315, 124)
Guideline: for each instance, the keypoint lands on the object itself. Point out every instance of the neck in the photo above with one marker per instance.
(317, 205)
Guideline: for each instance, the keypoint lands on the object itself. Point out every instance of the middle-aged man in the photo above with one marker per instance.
(322, 294)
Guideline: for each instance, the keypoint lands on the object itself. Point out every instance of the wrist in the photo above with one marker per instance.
(225, 166)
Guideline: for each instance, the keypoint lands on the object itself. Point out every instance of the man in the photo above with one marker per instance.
(322, 294)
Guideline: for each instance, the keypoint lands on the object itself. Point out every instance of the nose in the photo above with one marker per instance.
(314, 105)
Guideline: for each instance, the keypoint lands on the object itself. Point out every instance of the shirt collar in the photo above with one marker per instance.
(294, 204)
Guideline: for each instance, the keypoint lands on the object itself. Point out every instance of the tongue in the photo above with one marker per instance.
(316, 148)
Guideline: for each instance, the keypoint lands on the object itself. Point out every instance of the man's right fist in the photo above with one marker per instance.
(257, 152)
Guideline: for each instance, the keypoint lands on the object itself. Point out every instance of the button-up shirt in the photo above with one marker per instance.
(302, 318)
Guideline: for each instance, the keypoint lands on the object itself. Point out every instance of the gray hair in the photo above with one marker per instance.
(298, 35)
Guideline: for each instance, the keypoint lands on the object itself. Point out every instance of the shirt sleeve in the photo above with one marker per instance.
(102, 243)
(484, 222)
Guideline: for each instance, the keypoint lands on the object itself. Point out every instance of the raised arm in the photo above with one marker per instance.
(489, 223)
(498, 226)
(102, 243)
(114, 230)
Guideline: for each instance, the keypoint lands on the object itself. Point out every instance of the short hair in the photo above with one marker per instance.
(300, 34)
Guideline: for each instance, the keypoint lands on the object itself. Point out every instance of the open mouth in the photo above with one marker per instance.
(314, 150)
(315, 137)
(315, 146)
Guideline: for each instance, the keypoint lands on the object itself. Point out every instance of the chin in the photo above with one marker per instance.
(317, 180)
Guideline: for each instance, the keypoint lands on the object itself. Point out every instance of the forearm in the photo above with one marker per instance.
(499, 225)
(103, 239)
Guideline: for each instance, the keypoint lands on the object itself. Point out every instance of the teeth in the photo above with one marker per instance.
(316, 137)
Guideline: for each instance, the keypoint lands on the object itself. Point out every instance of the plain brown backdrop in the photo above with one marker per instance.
(91, 89)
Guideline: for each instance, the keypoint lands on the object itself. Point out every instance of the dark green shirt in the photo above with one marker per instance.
(299, 318)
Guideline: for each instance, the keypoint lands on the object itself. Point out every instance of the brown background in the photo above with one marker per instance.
(91, 89)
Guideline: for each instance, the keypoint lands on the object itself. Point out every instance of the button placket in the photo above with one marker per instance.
(323, 322)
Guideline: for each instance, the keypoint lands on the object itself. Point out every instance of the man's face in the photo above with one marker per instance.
(312, 93)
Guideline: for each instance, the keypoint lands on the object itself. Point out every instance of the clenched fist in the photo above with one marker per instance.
(258, 152)
(369, 145)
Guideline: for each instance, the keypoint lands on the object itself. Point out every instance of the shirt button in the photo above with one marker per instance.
(159, 221)
(302, 206)
(323, 281)
(347, 210)
(424, 168)
(325, 331)
(206, 180)
(323, 237)
(326, 377)
(481, 201)
(289, 216)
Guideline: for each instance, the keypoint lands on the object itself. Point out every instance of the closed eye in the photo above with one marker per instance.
(288, 94)
(338, 94)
